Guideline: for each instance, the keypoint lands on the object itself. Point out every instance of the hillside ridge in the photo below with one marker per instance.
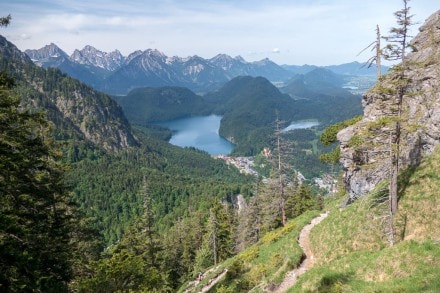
(367, 163)
(78, 111)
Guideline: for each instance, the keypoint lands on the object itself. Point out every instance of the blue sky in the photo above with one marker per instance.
(286, 31)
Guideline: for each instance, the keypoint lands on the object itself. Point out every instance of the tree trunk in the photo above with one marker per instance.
(378, 52)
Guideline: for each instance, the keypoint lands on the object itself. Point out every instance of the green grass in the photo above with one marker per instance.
(351, 250)
(264, 263)
(408, 266)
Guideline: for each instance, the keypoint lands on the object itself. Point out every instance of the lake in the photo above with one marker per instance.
(302, 124)
(200, 132)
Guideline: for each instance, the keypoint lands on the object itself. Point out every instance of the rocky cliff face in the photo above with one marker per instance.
(76, 110)
(93, 57)
(365, 146)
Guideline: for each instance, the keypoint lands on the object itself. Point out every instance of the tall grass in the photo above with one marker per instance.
(352, 254)
(265, 263)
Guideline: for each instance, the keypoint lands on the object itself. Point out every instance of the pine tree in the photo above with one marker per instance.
(5, 20)
(396, 50)
(281, 169)
(35, 210)
(378, 53)
(218, 241)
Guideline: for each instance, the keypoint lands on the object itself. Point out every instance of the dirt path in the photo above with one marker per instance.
(208, 286)
(213, 281)
(307, 263)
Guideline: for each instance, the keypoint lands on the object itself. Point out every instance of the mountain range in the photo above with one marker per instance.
(84, 114)
(80, 113)
(248, 105)
(116, 74)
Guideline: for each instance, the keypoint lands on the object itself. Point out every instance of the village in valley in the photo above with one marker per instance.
(246, 165)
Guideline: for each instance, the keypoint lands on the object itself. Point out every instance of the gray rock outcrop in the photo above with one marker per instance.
(365, 146)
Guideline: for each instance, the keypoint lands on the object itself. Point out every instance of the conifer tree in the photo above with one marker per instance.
(396, 50)
(218, 241)
(378, 53)
(281, 169)
(5, 20)
(35, 210)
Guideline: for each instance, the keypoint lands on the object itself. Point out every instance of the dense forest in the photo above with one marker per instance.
(134, 213)
(142, 199)
(249, 107)
(92, 201)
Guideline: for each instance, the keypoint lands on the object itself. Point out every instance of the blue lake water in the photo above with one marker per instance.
(301, 125)
(200, 132)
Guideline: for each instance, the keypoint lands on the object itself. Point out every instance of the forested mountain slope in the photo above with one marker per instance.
(113, 178)
(249, 106)
(78, 111)
(145, 105)
(179, 182)
(367, 246)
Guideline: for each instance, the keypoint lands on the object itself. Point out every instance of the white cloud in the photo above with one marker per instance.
(314, 32)
(25, 37)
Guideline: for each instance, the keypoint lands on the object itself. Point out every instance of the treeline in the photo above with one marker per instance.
(165, 213)
(180, 180)
(44, 241)
(148, 258)
(190, 215)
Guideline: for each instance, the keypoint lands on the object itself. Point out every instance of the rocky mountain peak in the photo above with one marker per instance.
(224, 61)
(77, 109)
(94, 57)
(239, 58)
(173, 60)
(154, 53)
(365, 146)
(48, 51)
(263, 61)
(115, 74)
(132, 56)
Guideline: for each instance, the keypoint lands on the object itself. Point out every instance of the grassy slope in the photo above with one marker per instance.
(264, 263)
(351, 251)
(353, 255)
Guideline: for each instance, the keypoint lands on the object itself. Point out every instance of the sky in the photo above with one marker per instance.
(293, 32)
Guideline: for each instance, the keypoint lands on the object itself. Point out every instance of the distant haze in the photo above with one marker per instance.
(286, 31)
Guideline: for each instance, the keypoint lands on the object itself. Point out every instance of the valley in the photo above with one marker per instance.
(200, 132)
(150, 173)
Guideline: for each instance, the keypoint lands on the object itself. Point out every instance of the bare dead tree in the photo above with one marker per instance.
(376, 59)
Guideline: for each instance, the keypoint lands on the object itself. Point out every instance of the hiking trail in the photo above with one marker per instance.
(211, 282)
(307, 263)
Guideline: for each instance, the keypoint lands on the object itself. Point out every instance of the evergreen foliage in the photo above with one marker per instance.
(328, 137)
(5, 20)
(35, 209)
(179, 181)
(146, 105)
